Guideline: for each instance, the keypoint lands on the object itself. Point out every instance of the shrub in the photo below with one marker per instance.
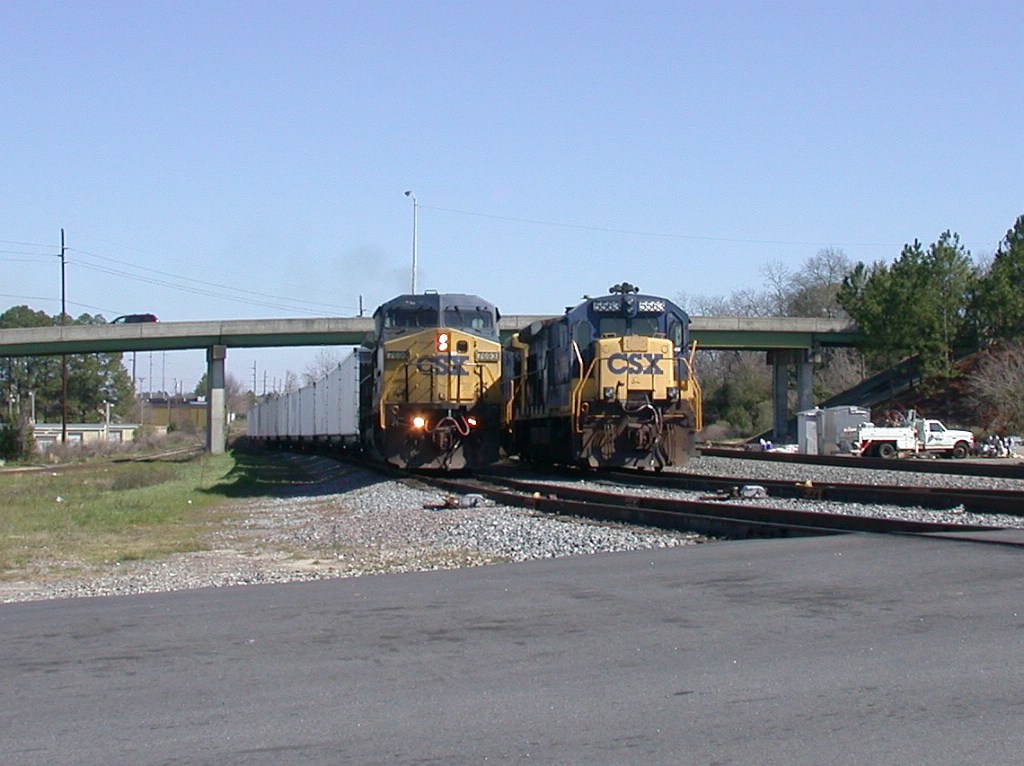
(16, 439)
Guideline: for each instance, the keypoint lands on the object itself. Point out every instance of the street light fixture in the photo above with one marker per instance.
(415, 208)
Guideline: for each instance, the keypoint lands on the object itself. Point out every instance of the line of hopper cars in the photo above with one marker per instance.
(609, 383)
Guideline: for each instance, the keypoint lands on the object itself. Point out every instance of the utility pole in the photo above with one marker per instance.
(63, 357)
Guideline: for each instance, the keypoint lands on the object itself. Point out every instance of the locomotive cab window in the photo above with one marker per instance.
(644, 326)
(641, 325)
(468, 319)
(675, 332)
(609, 327)
(582, 335)
(419, 317)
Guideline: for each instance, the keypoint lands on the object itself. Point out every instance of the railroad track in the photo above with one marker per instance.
(713, 517)
(993, 468)
(988, 501)
(184, 453)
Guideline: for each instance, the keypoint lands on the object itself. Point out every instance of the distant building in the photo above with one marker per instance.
(49, 435)
(177, 411)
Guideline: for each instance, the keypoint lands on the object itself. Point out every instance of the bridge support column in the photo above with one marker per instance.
(781, 360)
(216, 416)
(805, 380)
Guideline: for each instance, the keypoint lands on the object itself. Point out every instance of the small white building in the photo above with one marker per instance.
(48, 435)
(822, 431)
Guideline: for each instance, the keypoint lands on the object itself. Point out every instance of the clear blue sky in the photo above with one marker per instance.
(248, 159)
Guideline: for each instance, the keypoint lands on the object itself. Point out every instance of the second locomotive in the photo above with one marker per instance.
(609, 383)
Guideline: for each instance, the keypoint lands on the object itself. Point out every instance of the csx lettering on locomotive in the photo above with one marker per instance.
(442, 364)
(635, 364)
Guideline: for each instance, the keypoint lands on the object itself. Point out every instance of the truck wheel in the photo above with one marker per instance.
(960, 450)
(886, 451)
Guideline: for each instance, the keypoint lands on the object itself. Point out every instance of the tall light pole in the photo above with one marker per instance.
(415, 209)
(64, 357)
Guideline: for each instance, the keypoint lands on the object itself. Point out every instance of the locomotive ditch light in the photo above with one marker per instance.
(673, 393)
(419, 422)
(471, 421)
(609, 393)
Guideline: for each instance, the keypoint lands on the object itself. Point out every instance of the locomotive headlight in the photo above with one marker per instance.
(609, 393)
(419, 422)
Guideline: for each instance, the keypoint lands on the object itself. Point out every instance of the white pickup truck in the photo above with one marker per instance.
(918, 436)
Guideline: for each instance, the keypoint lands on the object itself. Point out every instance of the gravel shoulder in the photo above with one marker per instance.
(348, 522)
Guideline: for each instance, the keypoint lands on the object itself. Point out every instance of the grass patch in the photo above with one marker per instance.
(124, 511)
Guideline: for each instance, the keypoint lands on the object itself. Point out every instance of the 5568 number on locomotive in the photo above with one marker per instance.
(609, 383)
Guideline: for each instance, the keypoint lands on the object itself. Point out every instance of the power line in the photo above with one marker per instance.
(301, 304)
(21, 260)
(23, 252)
(193, 290)
(24, 244)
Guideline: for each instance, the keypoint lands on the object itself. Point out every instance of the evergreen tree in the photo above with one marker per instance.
(92, 378)
(998, 305)
(916, 307)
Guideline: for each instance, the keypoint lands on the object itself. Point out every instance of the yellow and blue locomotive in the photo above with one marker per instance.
(433, 398)
(609, 383)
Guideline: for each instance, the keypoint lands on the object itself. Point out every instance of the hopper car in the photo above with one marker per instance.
(323, 414)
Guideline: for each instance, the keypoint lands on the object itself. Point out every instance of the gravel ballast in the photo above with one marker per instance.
(348, 524)
(351, 522)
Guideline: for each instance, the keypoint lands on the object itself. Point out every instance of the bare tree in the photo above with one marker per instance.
(778, 292)
(997, 388)
(235, 399)
(815, 288)
(737, 384)
(325, 362)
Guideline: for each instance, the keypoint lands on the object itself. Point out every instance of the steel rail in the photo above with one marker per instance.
(1009, 502)
(993, 468)
(1005, 501)
(734, 520)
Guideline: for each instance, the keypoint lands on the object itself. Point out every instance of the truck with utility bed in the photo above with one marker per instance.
(911, 435)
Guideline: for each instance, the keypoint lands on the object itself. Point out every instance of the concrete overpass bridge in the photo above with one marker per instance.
(788, 341)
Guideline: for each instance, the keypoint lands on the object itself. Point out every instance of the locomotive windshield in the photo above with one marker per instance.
(468, 319)
(479, 320)
(621, 325)
(420, 316)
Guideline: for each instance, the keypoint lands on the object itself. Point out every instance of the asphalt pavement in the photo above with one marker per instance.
(829, 650)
